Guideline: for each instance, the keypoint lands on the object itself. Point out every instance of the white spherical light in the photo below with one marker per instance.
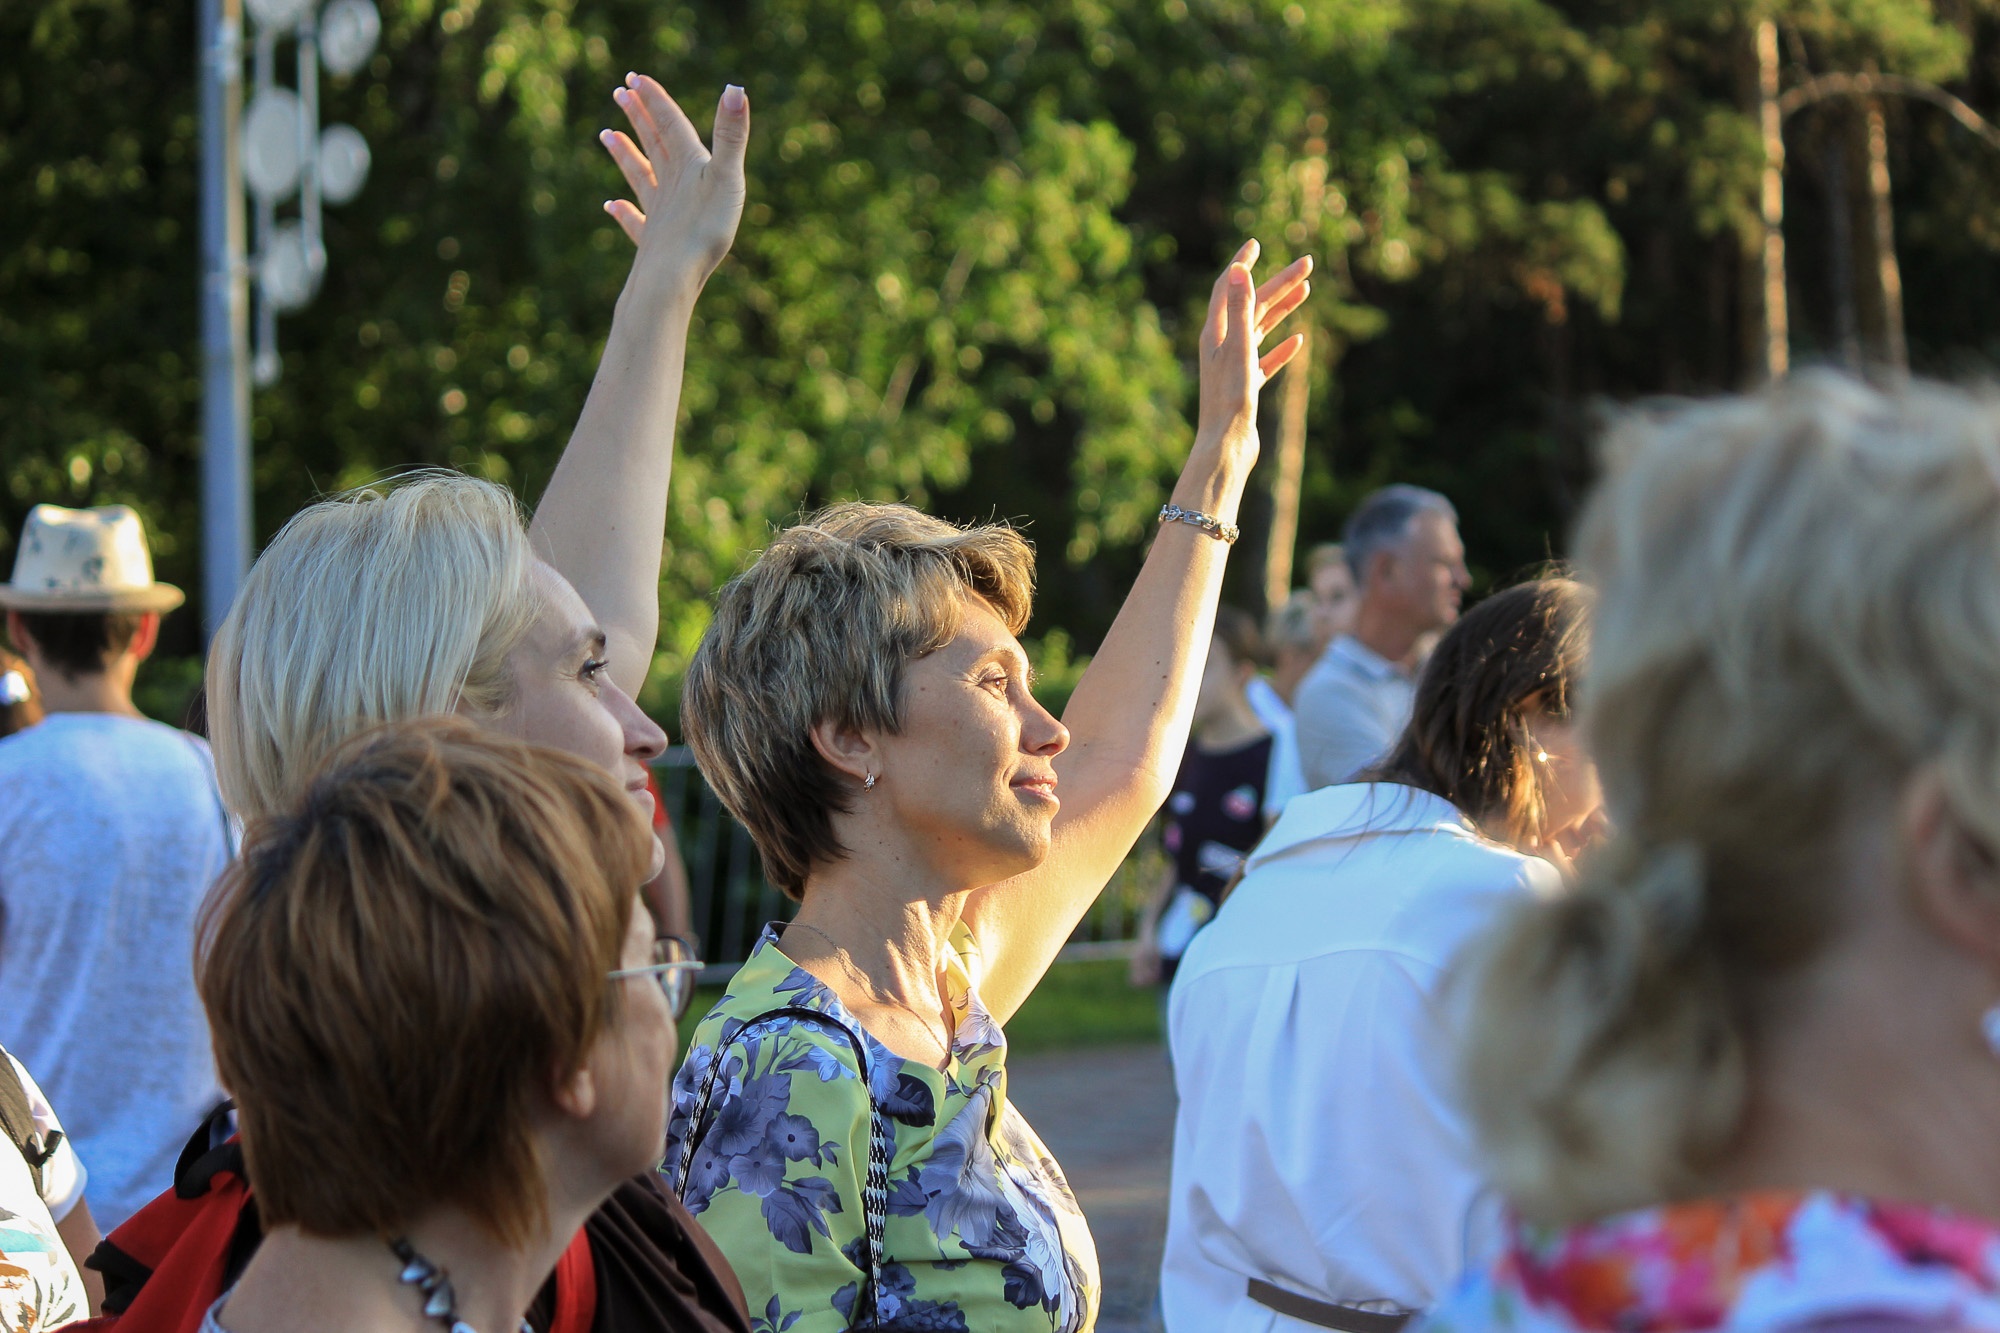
(348, 31)
(285, 271)
(343, 163)
(277, 13)
(271, 143)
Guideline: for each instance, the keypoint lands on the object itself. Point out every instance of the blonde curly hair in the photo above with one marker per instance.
(1799, 602)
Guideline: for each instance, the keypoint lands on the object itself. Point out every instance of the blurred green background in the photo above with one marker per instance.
(978, 242)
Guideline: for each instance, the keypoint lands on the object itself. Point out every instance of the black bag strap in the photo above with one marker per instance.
(881, 1148)
(17, 1117)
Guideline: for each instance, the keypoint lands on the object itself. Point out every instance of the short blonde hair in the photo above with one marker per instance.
(820, 628)
(1799, 605)
(405, 963)
(373, 606)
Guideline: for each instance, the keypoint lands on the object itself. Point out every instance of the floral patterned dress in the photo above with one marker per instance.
(972, 1226)
(1776, 1261)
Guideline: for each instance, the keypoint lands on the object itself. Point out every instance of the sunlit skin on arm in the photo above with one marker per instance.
(602, 521)
(1129, 718)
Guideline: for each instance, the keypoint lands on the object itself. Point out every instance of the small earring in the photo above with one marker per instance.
(1989, 1027)
(868, 783)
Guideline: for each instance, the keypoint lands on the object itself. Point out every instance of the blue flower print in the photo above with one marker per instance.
(806, 990)
(742, 1122)
(896, 1305)
(773, 1320)
(795, 1137)
(901, 1096)
(791, 1209)
(982, 1230)
(820, 1060)
(708, 1173)
(961, 1181)
(759, 1171)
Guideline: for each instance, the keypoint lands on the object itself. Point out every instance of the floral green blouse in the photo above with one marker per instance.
(974, 1227)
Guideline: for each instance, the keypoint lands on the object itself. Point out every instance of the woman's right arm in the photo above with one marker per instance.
(602, 520)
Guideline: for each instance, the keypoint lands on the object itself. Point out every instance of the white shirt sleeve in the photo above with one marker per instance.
(63, 1176)
(1283, 780)
(1326, 1154)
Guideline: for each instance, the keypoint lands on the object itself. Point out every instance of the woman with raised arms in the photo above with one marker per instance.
(433, 597)
(861, 702)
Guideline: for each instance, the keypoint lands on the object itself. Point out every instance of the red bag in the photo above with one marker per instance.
(170, 1261)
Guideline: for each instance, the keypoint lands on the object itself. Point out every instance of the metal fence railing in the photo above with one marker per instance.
(731, 899)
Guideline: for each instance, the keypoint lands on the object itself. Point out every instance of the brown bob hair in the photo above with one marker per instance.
(821, 627)
(404, 964)
(1468, 738)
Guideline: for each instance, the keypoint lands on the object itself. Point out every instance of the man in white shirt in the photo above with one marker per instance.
(111, 831)
(1403, 547)
(1322, 975)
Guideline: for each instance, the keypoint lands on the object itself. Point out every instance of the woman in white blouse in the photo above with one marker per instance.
(1322, 1175)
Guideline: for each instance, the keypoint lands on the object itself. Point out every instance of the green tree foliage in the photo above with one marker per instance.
(979, 239)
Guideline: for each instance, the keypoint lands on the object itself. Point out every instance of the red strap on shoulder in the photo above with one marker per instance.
(187, 1242)
(576, 1287)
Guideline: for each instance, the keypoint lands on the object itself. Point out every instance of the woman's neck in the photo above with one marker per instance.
(880, 954)
(302, 1283)
(1877, 1085)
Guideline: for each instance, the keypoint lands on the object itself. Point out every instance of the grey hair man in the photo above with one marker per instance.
(1408, 562)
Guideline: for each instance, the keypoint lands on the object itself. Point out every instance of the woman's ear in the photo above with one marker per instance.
(576, 1096)
(847, 749)
(1954, 879)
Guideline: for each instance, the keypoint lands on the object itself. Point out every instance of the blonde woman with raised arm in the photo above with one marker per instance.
(433, 597)
(861, 702)
(1747, 1075)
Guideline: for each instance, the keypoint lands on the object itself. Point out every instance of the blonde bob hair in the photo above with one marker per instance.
(369, 607)
(820, 628)
(403, 966)
(1798, 606)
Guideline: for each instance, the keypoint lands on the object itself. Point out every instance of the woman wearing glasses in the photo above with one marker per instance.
(432, 887)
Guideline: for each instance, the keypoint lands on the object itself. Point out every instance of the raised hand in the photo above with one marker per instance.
(687, 199)
(1232, 371)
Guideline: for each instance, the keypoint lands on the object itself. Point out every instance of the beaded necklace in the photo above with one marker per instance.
(440, 1301)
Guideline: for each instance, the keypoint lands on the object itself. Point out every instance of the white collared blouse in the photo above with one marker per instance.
(1317, 1145)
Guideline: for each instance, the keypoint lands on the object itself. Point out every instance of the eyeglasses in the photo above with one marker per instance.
(674, 966)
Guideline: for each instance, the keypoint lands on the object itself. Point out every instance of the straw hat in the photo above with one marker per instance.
(85, 560)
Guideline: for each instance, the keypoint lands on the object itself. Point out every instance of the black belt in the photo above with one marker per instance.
(1324, 1314)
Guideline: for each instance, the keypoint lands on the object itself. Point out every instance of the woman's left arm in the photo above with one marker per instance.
(1129, 718)
(602, 521)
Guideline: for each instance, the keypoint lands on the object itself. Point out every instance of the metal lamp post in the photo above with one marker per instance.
(276, 150)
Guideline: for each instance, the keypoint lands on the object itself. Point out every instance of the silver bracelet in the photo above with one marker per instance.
(1227, 533)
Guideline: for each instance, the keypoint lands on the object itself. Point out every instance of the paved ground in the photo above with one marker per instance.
(1108, 1116)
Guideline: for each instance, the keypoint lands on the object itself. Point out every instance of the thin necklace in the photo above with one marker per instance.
(867, 987)
(440, 1301)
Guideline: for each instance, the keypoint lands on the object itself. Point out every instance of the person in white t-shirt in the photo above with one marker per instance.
(1321, 1166)
(111, 831)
